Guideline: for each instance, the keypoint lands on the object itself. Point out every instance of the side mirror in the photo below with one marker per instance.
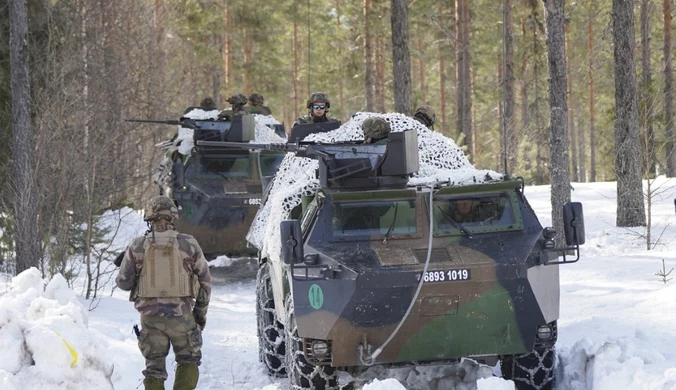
(292, 241)
(573, 223)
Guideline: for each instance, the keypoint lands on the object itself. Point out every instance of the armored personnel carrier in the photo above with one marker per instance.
(374, 265)
(217, 191)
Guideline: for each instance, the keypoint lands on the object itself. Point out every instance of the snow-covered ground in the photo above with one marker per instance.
(617, 328)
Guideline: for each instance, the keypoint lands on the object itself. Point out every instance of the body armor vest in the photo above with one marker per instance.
(163, 274)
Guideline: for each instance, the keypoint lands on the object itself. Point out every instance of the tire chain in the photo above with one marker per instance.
(296, 364)
(271, 352)
(542, 357)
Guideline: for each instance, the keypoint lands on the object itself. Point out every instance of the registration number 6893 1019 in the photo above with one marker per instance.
(452, 275)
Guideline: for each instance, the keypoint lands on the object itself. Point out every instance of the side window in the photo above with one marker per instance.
(309, 215)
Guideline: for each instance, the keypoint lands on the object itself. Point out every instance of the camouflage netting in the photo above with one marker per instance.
(184, 141)
(440, 160)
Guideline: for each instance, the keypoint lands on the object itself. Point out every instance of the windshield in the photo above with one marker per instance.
(270, 162)
(475, 214)
(374, 219)
(228, 166)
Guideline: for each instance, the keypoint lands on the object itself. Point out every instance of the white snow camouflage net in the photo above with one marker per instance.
(440, 160)
(185, 142)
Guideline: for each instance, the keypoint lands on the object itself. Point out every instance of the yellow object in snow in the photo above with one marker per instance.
(73, 352)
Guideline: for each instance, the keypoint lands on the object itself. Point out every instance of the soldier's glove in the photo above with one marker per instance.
(201, 322)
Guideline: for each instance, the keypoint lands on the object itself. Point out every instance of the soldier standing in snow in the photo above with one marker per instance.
(256, 106)
(318, 106)
(170, 286)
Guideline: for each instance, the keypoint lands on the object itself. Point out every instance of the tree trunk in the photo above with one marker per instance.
(295, 69)
(25, 199)
(442, 65)
(511, 141)
(525, 115)
(464, 75)
(592, 111)
(341, 82)
(540, 172)
(647, 90)
(628, 163)
(582, 149)
(368, 57)
(572, 135)
(227, 46)
(401, 58)
(668, 93)
(558, 103)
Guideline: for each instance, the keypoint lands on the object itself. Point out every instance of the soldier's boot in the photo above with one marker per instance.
(187, 376)
(153, 384)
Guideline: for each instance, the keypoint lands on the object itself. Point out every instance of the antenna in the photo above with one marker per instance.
(309, 45)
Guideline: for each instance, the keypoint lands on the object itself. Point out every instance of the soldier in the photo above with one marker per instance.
(318, 106)
(207, 104)
(425, 115)
(237, 102)
(170, 286)
(375, 130)
(256, 106)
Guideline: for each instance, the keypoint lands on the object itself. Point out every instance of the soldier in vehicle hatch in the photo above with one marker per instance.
(237, 102)
(256, 106)
(425, 115)
(375, 130)
(170, 286)
(207, 104)
(318, 106)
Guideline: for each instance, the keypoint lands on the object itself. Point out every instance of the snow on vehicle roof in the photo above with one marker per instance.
(440, 160)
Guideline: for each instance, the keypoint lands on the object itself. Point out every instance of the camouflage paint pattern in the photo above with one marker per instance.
(493, 296)
(158, 333)
(193, 262)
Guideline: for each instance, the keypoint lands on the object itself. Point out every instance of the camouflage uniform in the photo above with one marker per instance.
(176, 321)
(237, 102)
(256, 106)
(375, 130)
(317, 97)
(425, 115)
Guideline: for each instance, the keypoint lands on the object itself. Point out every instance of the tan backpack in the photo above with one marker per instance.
(163, 274)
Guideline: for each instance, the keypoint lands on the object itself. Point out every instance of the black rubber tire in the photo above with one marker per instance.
(303, 375)
(271, 342)
(531, 371)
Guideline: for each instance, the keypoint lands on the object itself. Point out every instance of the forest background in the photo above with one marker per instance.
(483, 65)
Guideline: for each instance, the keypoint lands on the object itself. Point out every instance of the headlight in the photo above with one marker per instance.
(319, 348)
(544, 332)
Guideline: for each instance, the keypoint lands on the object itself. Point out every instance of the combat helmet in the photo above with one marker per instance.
(375, 129)
(256, 99)
(159, 207)
(319, 97)
(237, 99)
(425, 114)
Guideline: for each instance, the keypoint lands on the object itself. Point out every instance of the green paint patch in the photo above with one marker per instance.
(316, 295)
(483, 326)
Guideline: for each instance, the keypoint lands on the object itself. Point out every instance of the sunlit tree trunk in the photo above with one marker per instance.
(558, 103)
(668, 93)
(295, 70)
(442, 64)
(227, 46)
(401, 58)
(592, 100)
(511, 141)
(628, 161)
(647, 101)
(368, 57)
(25, 200)
(572, 135)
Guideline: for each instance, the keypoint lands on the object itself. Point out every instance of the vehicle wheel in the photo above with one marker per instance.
(530, 371)
(302, 374)
(271, 344)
